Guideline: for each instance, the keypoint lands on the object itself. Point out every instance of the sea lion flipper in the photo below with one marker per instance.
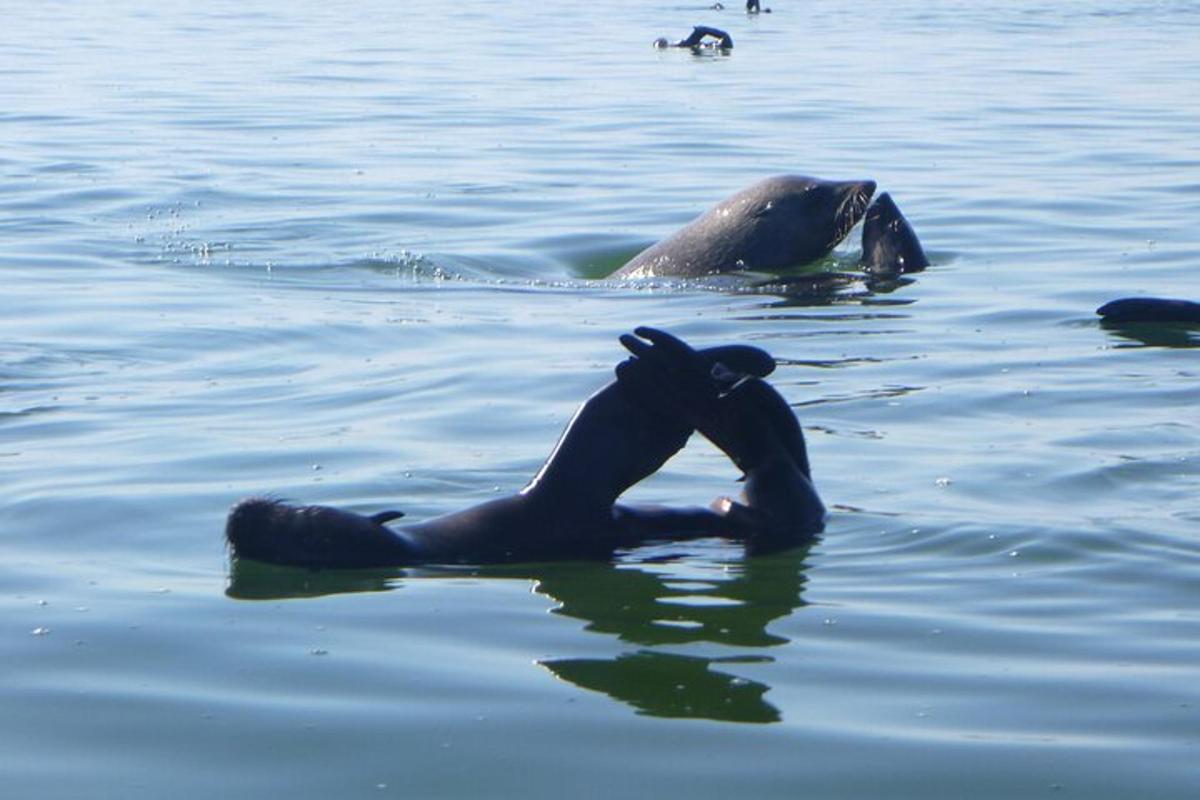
(739, 412)
(386, 516)
(746, 418)
(666, 375)
(701, 32)
(741, 358)
(890, 246)
(753, 424)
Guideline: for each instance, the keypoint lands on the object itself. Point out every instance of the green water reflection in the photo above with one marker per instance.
(659, 607)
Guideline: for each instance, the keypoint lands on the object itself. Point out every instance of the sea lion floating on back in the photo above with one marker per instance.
(620, 435)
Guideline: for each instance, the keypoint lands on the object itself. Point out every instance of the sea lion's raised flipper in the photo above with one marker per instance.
(667, 375)
(743, 416)
(616, 439)
(890, 246)
(700, 32)
(756, 428)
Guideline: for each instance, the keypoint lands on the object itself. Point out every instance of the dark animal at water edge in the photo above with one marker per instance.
(569, 510)
(1149, 309)
(780, 222)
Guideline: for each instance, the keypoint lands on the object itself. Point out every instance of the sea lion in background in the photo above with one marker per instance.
(889, 245)
(752, 7)
(696, 39)
(779, 222)
(1149, 309)
(620, 435)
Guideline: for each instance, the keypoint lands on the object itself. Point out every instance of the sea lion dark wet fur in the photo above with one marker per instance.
(1149, 309)
(620, 435)
(779, 222)
(889, 244)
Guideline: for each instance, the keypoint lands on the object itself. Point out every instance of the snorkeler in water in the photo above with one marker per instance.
(625, 432)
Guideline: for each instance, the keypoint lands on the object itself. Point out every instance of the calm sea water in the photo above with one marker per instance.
(346, 253)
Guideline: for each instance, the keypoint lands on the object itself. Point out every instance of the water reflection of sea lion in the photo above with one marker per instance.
(647, 604)
(620, 435)
(889, 244)
(1149, 309)
(779, 222)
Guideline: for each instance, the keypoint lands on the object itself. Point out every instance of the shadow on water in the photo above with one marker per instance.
(831, 288)
(254, 580)
(816, 289)
(831, 280)
(1154, 334)
(652, 605)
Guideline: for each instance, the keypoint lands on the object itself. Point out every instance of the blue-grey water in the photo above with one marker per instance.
(348, 253)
